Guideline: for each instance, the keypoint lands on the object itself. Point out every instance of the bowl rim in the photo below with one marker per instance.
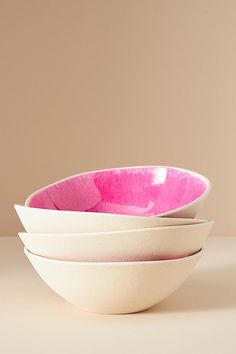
(117, 232)
(173, 211)
(196, 254)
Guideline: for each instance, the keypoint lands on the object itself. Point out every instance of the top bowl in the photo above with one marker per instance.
(63, 221)
(137, 191)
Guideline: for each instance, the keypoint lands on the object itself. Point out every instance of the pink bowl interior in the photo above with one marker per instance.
(133, 191)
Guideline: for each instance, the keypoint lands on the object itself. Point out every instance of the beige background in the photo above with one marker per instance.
(97, 84)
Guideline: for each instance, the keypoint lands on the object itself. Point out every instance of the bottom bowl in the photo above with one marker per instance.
(113, 287)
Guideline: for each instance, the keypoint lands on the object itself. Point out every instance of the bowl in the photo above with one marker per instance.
(138, 191)
(59, 221)
(133, 245)
(113, 287)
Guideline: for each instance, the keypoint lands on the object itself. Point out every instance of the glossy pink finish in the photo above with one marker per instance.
(133, 191)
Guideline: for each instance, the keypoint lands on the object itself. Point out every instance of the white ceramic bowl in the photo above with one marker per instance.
(139, 191)
(59, 221)
(132, 245)
(113, 287)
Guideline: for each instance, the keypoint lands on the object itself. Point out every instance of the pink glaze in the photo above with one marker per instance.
(133, 191)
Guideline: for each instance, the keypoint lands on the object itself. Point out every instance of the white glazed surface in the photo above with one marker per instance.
(58, 221)
(113, 288)
(133, 245)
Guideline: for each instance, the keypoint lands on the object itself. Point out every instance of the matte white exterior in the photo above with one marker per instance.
(132, 245)
(58, 221)
(113, 288)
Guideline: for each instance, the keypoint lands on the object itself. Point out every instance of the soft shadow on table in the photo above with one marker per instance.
(209, 289)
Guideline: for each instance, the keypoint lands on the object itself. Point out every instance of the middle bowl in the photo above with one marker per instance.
(130, 245)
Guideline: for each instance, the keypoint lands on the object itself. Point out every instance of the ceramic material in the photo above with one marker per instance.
(113, 288)
(58, 221)
(140, 191)
(134, 245)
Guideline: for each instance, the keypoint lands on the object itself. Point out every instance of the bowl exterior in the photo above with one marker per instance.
(113, 288)
(55, 221)
(134, 245)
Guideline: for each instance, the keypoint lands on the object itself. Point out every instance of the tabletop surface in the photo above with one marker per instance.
(200, 317)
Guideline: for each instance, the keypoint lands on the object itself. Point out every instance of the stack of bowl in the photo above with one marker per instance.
(119, 240)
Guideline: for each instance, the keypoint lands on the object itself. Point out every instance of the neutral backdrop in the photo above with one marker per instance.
(96, 84)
